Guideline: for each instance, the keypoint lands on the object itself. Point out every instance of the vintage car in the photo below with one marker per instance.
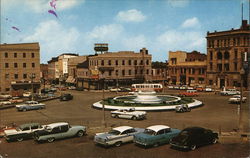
(66, 97)
(22, 132)
(155, 135)
(189, 93)
(27, 94)
(183, 87)
(16, 100)
(5, 96)
(182, 108)
(236, 99)
(5, 103)
(199, 88)
(192, 137)
(117, 136)
(208, 89)
(229, 92)
(58, 130)
(30, 105)
(129, 114)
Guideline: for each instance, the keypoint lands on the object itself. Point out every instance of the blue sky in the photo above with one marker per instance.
(159, 25)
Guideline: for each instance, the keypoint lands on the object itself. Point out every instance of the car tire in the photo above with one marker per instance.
(134, 118)
(19, 139)
(117, 144)
(24, 109)
(181, 110)
(116, 116)
(50, 140)
(215, 140)
(193, 147)
(156, 144)
(80, 133)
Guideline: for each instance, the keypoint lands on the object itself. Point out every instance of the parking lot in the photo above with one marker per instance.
(216, 114)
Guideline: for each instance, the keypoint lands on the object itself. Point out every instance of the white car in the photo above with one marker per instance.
(5, 96)
(236, 99)
(170, 87)
(129, 114)
(5, 103)
(114, 89)
(183, 87)
(30, 105)
(117, 136)
(208, 89)
(229, 92)
(27, 94)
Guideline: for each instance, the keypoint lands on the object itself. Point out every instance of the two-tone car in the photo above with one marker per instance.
(22, 132)
(155, 135)
(236, 99)
(59, 130)
(129, 114)
(117, 136)
(30, 105)
(192, 137)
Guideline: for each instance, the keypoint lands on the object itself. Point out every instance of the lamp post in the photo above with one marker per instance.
(32, 76)
(240, 124)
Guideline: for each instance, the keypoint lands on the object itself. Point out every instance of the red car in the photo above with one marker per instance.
(189, 93)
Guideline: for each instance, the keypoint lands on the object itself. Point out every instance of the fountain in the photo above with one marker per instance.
(147, 98)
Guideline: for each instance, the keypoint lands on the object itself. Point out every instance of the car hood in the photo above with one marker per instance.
(10, 131)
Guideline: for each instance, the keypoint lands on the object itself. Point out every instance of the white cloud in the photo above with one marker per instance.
(135, 43)
(191, 23)
(54, 38)
(178, 3)
(105, 32)
(132, 15)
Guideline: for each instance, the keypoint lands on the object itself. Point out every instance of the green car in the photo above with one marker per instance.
(155, 135)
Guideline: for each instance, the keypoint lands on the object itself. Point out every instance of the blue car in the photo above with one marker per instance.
(155, 135)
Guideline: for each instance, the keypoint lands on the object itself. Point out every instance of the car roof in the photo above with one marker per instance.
(156, 128)
(28, 125)
(52, 125)
(122, 128)
(193, 129)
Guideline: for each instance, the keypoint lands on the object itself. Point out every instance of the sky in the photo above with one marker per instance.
(126, 25)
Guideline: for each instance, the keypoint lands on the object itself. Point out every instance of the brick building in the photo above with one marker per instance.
(187, 68)
(225, 55)
(115, 68)
(53, 70)
(19, 67)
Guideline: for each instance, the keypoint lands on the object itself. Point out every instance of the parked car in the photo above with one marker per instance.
(30, 105)
(155, 135)
(176, 87)
(229, 92)
(51, 94)
(182, 108)
(59, 130)
(189, 93)
(117, 136)
(208, 89)
(123, 89)
(62, 88)
(190, 88)
(5, 96)
(129, 114)
(236, 99)
(193, 137)
(183, 87)
(16, 100)
(45, 90)
(27, 94)
(114, 89)
(5, 103)
(22, 132)
(66, 97)
(199, 88)
(170, 87)
(72, 88)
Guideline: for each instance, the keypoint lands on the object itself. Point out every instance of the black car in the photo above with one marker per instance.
(192, 137)
(66, 97)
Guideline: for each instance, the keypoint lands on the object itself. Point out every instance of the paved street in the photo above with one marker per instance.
(216, 114)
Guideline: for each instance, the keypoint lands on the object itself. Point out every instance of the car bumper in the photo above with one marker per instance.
(179, 146)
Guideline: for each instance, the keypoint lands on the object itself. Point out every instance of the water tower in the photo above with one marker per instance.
(101, 47)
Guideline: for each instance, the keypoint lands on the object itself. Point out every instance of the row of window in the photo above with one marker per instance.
(117, 62)
(24, 55)
(244, 41)
(226, 54)
(17, 76)
(192, 71)
(7, 65)
(226, 67)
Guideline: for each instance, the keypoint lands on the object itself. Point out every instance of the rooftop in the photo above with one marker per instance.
(122, 128)
(156, 128)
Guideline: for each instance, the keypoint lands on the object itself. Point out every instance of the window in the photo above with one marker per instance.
(64, 128)
(102, 63)
(211, 55)
(141, 71)
(16, 76)
(116, 62)
(211, 66)
(110, 72)
(235, 66)
(6, 55)
(147, 62)
(210, 82)
(235, 54)
(24, 55)
(117, 72)
(33, 64)
(109, 62)
(123, 62)
(129, 72)
(15, 55)
(7, 76)
(160, 132)
(55, 130)
(226, 67)
(226, 55)
(15, 65)
(7, 89)
(34, 127)
(6, 65)
(26, 128)
(24, 76)
(129, 62)
(219, 55)
(135, 62)
(147, 71)
(219, 67)
(32, 55)
(141, 63)
(24, 65)
(135, 72)
(123, 72)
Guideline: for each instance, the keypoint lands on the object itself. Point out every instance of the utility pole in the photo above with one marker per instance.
(242, 72)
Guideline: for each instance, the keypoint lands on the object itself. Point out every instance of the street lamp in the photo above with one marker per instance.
(32, 76)
(242, 72)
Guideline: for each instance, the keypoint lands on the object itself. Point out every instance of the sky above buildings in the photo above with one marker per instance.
(126, 25)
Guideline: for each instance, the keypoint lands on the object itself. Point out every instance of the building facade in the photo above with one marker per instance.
(53, 70)
(19, 67)
(187, 68)
(115, 69)
(226, 51)
(159, 73)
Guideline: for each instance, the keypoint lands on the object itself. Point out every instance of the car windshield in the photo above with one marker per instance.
(114, 132)
(149, 132)
(183, 136)
(48, 128)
